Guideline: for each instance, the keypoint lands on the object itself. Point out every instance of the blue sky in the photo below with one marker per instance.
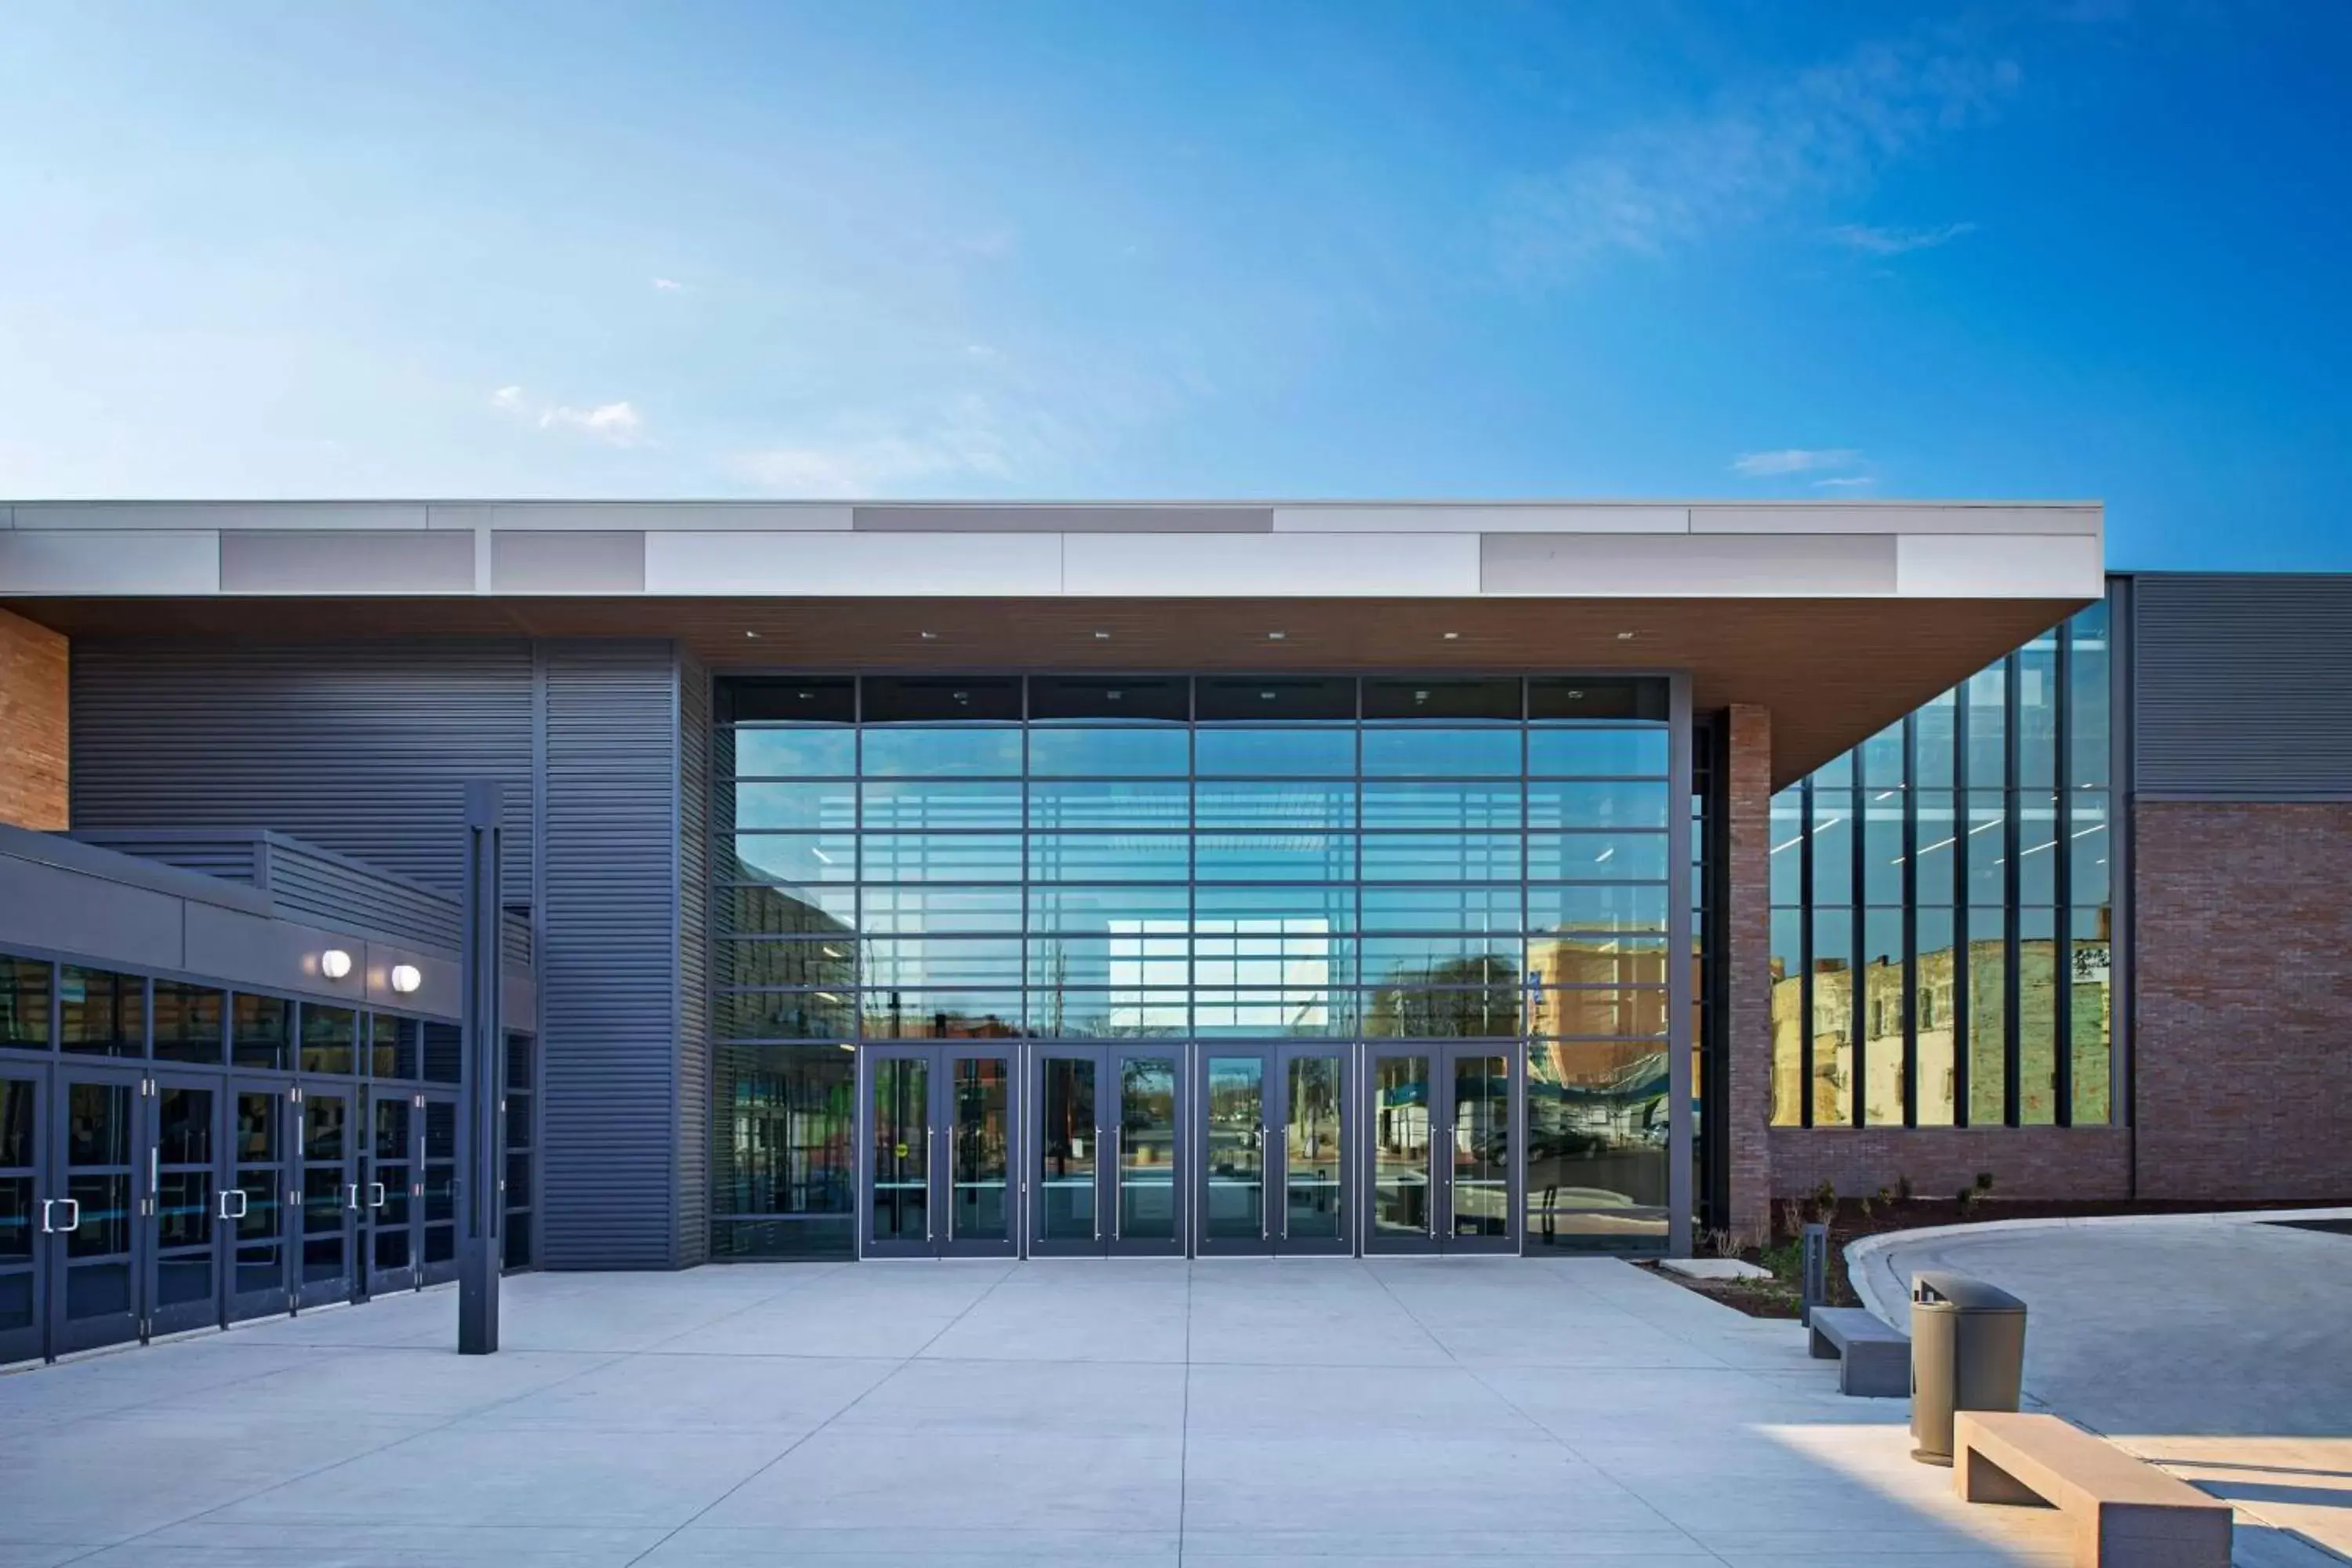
(2079, 249)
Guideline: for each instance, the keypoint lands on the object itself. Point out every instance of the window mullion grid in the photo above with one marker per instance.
(2013, 838)
(1963, 898)
(1910, 937)
(1805, 952)
(2061, 881)
(1858, 983)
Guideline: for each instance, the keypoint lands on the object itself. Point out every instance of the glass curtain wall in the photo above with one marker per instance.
(1187, 858)
(1942, 908)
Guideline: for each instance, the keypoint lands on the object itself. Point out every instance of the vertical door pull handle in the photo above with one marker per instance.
(73, 1220)
(375, 1195)
(351, 1200)
(238, 1194)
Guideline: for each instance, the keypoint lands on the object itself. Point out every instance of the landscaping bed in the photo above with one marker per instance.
(1851, 1219)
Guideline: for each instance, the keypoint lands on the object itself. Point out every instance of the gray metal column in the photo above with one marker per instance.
(481, 1182)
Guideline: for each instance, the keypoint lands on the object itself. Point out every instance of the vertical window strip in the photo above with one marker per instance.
(1806, 903)
(1962, 847)
(2061, 942)
(1910, 920)
(2012, 840)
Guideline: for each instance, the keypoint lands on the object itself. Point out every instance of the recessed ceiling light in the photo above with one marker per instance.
(753, 636)
(1276, 636)
(1624, 637)
(929, 637)
(1102, 637)
(1453, 636)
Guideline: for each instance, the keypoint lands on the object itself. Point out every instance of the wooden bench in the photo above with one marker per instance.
(1874, 1360)
(2125, 1511)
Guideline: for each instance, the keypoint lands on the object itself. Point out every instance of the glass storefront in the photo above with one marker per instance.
(1942, 907)
(941, 901)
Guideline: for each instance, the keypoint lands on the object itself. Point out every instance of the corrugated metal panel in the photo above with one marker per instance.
(693, 964)
(608, 970)
(302, 880)
(2244, 686)
(362, 748)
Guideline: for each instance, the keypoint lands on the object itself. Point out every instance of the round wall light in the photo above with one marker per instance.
(334, 964)
(406, 977)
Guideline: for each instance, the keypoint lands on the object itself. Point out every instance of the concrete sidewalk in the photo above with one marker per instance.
(2217, 1345)
(1215, 1412)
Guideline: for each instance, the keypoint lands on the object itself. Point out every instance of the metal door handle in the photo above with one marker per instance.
(71, 1226)
(930, 1182)
(1265, 1218)
(375, 1195)
(352, 1201)
(1116, 1194)
(242, 1204)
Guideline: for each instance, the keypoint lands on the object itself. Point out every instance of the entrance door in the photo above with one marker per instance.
(436, 1188)
(88, 1209)
(331, 1196)
(253, 1205)
(1106, 1152)
(940, 1139)
(1440, 1138)
(387, 1239)
(24, 1250)
(188, 1268)
(1274, 1162)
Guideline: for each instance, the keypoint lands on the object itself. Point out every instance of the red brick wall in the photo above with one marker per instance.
(1747, 970)
(2243, 985)
(33, 704)
(2083, 1163)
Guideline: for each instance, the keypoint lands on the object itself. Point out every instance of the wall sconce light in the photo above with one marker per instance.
(334, 964)
(406, 977)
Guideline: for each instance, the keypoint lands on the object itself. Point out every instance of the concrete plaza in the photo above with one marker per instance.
(1215, 1412)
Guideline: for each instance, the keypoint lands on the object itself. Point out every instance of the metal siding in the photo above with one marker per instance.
(230, 857)
(2242, 687)
(693, 964)
(609, 966)
(360, 748)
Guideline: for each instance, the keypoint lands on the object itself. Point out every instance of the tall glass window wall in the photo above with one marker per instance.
(1942, 910)
(1188, 859)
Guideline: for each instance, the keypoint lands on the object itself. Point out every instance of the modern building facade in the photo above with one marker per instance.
(898, 881)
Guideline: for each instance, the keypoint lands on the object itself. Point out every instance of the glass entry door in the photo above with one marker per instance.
(254, 1202)
(1274, 1155)
(437, 1180)
(938, 1124)
(87, 1208)
(188, 1268)
(1104, 1151)
(1440, 1137)
(24, 1250)
(328, 1153)
(388, 1190)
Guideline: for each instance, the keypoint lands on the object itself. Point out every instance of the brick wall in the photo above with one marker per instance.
(1748, 969)
(2243, 986)
(2089, 1164)
(33, 706)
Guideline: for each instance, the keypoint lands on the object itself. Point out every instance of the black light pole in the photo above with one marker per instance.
(484, 1204)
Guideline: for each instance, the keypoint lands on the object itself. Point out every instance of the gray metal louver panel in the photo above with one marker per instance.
(694, 964)
(232, 859)
(2243, 686)
(608, 968)
(360, 748)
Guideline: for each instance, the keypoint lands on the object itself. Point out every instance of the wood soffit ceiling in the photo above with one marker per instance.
(1832, 671)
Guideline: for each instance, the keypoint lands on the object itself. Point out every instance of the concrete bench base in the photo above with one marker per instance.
(1874, 1360)
(2125, 1511)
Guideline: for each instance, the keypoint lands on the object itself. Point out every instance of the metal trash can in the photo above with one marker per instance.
(1967, 1353)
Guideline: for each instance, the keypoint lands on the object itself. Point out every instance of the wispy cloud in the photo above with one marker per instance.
(614, 424)
(1877, 241)
(1794, 460)
(968, 441)
(668, 285)
(1651, 189)
(1846, 482)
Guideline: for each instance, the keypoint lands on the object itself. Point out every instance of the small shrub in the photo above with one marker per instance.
(1825, 1202)
(1903, 1187)
(1792, 1217)
(1968, 1199)
(1984, 1181)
